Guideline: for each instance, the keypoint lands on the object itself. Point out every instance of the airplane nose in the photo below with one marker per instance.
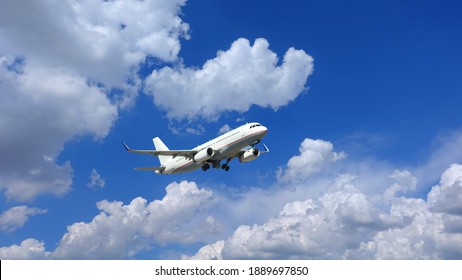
(264, 130)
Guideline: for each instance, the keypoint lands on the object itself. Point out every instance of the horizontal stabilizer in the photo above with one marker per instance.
(173, 153)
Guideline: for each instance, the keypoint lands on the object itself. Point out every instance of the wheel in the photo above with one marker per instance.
(223, 166)
(227, 168)
(205, 167)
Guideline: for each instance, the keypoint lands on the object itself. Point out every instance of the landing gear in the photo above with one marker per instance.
(205, 167)
(225, 166)
(216, 164)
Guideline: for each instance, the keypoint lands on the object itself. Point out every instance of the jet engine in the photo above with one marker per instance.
(249, 155)
(204, 155)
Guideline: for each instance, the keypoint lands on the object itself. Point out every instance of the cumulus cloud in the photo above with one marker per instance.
(405, 183)
(224, 129)
(96, 180)
(445, 150)
(349, 224)
(100, 40)
(121, 231)
(433, 232)
(234, 80)
(42, 109)
(16, 217)
(66, 68)
(375, 213)
(314, 156)
(326, 227)
(208, 252)
(447, 197)
(371, 214)
(29, 249)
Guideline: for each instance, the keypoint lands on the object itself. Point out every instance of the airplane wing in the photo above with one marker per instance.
(174, 153)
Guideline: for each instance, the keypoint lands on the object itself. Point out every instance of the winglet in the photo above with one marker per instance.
(266, 149)
(126, 146)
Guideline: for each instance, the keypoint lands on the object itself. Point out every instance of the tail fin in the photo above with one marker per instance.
(160, 146)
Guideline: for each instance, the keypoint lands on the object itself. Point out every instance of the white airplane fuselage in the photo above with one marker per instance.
(225, 146)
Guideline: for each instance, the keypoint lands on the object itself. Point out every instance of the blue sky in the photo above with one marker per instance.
(361, 99)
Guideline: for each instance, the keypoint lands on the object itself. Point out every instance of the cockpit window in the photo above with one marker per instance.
(255, 125)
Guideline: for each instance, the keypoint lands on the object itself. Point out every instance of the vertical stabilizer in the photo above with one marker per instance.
(160, 146)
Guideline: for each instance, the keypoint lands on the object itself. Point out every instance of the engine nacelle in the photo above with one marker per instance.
(204, 155)
(249, 155)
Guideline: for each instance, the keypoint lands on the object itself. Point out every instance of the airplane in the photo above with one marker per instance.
(237, 143)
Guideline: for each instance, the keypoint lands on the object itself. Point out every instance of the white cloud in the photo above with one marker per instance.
(29, 249)
(405, 183)
(314, 156)
(447, 197)
(370, 214)
(349, 224)
(324, 228)
(445, 150)
(435, 230)
(101, 40)
(235, 80)
(209, 252)
(121, 231)
(224, 129)
(66, 68)
(17, 216)
(95, 180)
(42, 109)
